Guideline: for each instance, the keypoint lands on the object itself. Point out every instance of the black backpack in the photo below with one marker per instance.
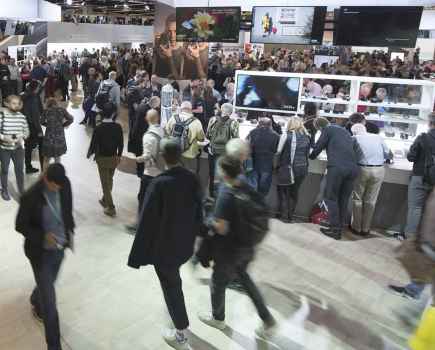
(180, 132)
(253, 216)
(103, 95)
(429, 159)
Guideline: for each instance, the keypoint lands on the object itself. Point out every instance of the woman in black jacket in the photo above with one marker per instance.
(293, 150)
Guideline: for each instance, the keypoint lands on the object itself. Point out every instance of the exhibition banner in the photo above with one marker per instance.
(176, 60)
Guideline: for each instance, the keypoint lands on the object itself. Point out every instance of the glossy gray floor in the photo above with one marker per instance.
(326, 294)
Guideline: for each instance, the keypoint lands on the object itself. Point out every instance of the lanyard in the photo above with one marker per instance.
(55, 212)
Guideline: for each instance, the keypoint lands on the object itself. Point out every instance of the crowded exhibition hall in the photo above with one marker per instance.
(217, 175)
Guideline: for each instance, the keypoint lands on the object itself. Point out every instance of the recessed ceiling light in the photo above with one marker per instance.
(69, 2)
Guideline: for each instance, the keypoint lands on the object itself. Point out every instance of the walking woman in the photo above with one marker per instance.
(55, 119)
(293, 150)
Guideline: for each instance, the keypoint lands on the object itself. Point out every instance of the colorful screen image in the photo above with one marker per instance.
(208, 24)
(267, 92)
(288, 25)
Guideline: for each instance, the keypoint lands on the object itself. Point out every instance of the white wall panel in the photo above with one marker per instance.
(105, 33)
(48, 11)
(22, 9)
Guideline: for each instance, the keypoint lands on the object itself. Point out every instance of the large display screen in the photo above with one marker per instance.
(378, 26)
(267, 92)
(288, 25)
(208, 24)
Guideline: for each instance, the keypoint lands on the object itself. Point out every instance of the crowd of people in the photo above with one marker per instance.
(173, 222)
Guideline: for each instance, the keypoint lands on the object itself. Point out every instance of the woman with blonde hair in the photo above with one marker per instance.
(293, 150)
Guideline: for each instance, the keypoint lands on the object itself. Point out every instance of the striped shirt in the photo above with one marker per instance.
(12, 123)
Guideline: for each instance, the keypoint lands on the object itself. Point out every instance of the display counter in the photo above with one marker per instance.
(391, 208)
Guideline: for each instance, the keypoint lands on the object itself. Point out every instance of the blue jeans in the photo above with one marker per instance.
(264, 181)
(418, 192)
(43, 297)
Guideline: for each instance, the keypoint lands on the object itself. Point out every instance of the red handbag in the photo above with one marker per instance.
(319, 213)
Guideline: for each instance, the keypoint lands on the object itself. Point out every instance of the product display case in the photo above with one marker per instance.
(399, 107)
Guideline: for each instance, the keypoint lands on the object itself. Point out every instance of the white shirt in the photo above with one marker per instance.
(151, 147)
(374, 149)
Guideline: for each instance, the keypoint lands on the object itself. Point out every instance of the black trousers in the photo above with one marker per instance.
(43, 297)
(226, 271)
(30, 146)
(288, 197)
(212, 160)
(339, 186)
(170, 281)
(144, 183)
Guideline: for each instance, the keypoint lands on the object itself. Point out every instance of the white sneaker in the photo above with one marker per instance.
(266, 332)
(209, 320)
(171, 339)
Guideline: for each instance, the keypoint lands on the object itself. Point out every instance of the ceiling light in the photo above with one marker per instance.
(126, 6)
(69, 2)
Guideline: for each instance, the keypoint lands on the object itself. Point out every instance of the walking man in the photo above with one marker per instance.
(239, 225)
(107, 144)
(45, 219)
(169, 222)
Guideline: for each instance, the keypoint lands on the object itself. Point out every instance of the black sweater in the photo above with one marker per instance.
(417, 152)
(107, 140)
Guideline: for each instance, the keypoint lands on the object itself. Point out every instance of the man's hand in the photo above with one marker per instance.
(194, 51)
(8, 139)
(167, 52)
(50, 239)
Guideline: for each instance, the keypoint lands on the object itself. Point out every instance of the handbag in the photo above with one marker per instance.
(319, 213)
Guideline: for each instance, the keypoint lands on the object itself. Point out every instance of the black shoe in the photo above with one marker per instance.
(36, 315)
(402, 291)
(31, 170)
(400, 236)
(5, 195)
(333, 233)
(131, 229)
(324, 223)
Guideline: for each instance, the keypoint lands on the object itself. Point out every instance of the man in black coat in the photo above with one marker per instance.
(32, 109)
(46, 221)
(168, 224)
(343, 154)
(135, 135)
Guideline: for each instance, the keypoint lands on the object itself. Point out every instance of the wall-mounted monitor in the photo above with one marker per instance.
(208, 24)
(246, 20)
(288, 25)
(267, 92)
(379, 26)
